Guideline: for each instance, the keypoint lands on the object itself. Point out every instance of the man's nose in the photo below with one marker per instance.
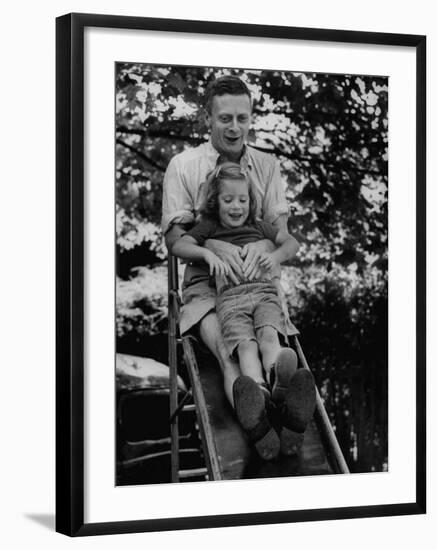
(234, 124)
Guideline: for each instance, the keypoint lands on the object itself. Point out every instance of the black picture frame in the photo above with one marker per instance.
(70, 488)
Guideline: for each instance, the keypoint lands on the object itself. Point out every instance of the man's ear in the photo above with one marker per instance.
(207, 118)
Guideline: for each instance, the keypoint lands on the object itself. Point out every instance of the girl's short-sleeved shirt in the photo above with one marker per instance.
(239, 236)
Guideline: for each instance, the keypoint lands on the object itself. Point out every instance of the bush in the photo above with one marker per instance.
(141, 308)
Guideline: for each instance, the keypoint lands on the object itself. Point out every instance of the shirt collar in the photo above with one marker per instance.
(213, 155)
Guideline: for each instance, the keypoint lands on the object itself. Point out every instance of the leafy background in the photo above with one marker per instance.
(330, 135)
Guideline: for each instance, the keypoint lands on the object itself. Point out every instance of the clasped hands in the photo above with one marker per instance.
(240, 263)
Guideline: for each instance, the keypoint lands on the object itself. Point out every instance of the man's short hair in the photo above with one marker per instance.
(228, 84)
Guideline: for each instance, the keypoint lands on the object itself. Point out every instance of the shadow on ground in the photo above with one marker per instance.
(46, 520)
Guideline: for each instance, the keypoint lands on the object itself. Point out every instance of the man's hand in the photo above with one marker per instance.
(230, 256)
(216, 266)
(269, 262)
(252, 253)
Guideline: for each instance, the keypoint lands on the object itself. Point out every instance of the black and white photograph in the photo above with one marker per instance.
(251, 250)
(216, 276)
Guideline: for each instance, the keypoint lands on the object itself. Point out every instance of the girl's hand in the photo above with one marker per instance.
(216, 266)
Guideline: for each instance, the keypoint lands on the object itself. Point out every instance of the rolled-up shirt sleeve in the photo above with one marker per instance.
(177, 203)
(275, 202)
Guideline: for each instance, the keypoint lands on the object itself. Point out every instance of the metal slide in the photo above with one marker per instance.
(226, 451)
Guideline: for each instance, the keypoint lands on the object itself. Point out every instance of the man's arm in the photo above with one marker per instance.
(284, 236)
(281, 222)
(228, 253)
(177, 201)
(173, 234)
(187, 248)
(254, 252)
(287, 249)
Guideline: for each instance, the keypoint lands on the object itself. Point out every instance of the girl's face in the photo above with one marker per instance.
(233, 203)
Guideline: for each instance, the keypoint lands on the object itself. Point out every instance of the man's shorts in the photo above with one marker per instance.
(245, 308)
(198, 300)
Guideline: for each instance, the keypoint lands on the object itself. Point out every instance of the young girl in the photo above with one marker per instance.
(250, 312)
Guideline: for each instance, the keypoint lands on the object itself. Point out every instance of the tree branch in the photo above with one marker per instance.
(347, 166)
(159, 134)
(140, 154)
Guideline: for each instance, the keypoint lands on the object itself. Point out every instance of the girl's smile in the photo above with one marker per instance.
(233, 202)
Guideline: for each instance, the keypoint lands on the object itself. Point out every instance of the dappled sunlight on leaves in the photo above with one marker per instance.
(141, 302)
(132, 232)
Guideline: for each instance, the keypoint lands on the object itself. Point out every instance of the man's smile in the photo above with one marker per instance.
(232, 139)
(229, 121)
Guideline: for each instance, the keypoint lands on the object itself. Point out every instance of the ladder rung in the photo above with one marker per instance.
(195, 472)
(180, 407)
(189, 408)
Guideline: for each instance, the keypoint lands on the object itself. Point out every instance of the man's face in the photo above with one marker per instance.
(229, 122)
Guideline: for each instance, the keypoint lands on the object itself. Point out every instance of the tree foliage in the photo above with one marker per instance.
(328, 131)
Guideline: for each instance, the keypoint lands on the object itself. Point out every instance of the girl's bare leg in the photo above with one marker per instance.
(269, 346)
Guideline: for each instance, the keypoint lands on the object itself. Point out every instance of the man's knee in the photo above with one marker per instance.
(209, 330)
(210, 333)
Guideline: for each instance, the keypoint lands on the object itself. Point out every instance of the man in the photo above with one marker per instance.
(228, 115)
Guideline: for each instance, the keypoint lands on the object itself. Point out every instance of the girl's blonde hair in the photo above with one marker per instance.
(209, 208)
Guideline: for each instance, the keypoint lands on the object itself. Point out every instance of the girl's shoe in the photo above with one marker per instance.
(297, 411)
(284, 368)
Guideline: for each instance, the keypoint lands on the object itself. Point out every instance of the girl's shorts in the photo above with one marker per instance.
(245, 308)
(199, 299)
